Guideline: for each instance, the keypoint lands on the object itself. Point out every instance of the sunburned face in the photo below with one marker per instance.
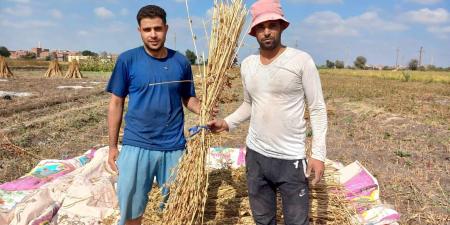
(153, 33)
(268, 34)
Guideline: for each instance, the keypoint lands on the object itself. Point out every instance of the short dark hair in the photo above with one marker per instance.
(151, 11)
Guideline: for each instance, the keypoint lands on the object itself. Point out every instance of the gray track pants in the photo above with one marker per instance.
(264, 176)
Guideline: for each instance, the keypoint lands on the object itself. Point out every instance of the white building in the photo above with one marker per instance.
(78, 57)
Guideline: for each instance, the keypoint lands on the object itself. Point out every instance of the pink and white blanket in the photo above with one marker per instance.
(75, 191)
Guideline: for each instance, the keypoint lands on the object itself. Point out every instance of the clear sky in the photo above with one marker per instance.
(327, 29)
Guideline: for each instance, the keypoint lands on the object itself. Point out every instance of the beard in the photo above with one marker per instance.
(269, 44)
(154, 48)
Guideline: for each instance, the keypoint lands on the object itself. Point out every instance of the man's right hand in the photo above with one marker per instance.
(112, 157)
(218, 125)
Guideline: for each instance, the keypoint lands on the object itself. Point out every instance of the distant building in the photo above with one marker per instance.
(74, 53)
(18, 54)
(46, 54)
(374, 67)
(78, 57)
(37, 51)
(60, 55)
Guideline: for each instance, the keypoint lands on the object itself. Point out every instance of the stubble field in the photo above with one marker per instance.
(399, 130)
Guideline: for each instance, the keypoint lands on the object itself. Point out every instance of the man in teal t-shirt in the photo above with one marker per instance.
(158, 82)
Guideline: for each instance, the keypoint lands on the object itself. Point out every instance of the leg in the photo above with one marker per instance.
(165, 174)
(261, 193)
(136, 172)
(294, 193)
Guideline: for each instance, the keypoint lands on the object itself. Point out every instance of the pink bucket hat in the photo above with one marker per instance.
(265, 10)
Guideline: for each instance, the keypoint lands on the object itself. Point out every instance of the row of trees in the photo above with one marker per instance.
(360, 63)
(338, 64)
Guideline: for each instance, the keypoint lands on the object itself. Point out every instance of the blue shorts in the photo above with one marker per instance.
(137, 170)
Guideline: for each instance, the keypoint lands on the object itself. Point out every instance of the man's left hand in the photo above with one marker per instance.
(318, 167)
(214, 112)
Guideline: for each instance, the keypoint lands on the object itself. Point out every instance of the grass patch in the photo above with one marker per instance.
(402, 154)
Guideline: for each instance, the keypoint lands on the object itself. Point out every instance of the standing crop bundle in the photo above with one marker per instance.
(54, 70)
(5, 72)
(188, 193)
(74, 70)
(328, 202)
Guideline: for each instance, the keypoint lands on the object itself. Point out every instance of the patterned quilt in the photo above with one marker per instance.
(74, 191)
(81, 190)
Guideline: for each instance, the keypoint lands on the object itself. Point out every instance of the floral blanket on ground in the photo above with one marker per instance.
(362, 190)
(74, 191)
(81, 190)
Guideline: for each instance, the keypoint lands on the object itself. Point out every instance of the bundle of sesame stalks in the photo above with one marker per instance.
(228, 201)
(188, 191)
(54, 70)
(74, 70)
(328, 203)
(5, 72)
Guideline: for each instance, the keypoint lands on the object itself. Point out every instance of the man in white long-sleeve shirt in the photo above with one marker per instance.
(276, 83)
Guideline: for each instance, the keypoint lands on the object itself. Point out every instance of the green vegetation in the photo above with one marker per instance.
(413, 64)
(29, 56)
(97, 65)
(329, 64)
(88, 53)
(4, 51)
(402, 154)
(406, 76)
(191, 56)
(339, 64)
(360, 62)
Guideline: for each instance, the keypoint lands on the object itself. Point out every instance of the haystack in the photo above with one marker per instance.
(5, 72)
(54, 70)
(74, 70)
(228, 201)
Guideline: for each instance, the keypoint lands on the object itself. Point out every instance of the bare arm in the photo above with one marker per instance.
(192, 103)
(115, 112)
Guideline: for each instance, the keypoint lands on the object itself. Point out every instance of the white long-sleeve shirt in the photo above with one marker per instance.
(274, 100)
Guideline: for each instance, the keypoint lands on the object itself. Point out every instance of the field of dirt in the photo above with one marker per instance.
(51, 123)
(399, 130)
